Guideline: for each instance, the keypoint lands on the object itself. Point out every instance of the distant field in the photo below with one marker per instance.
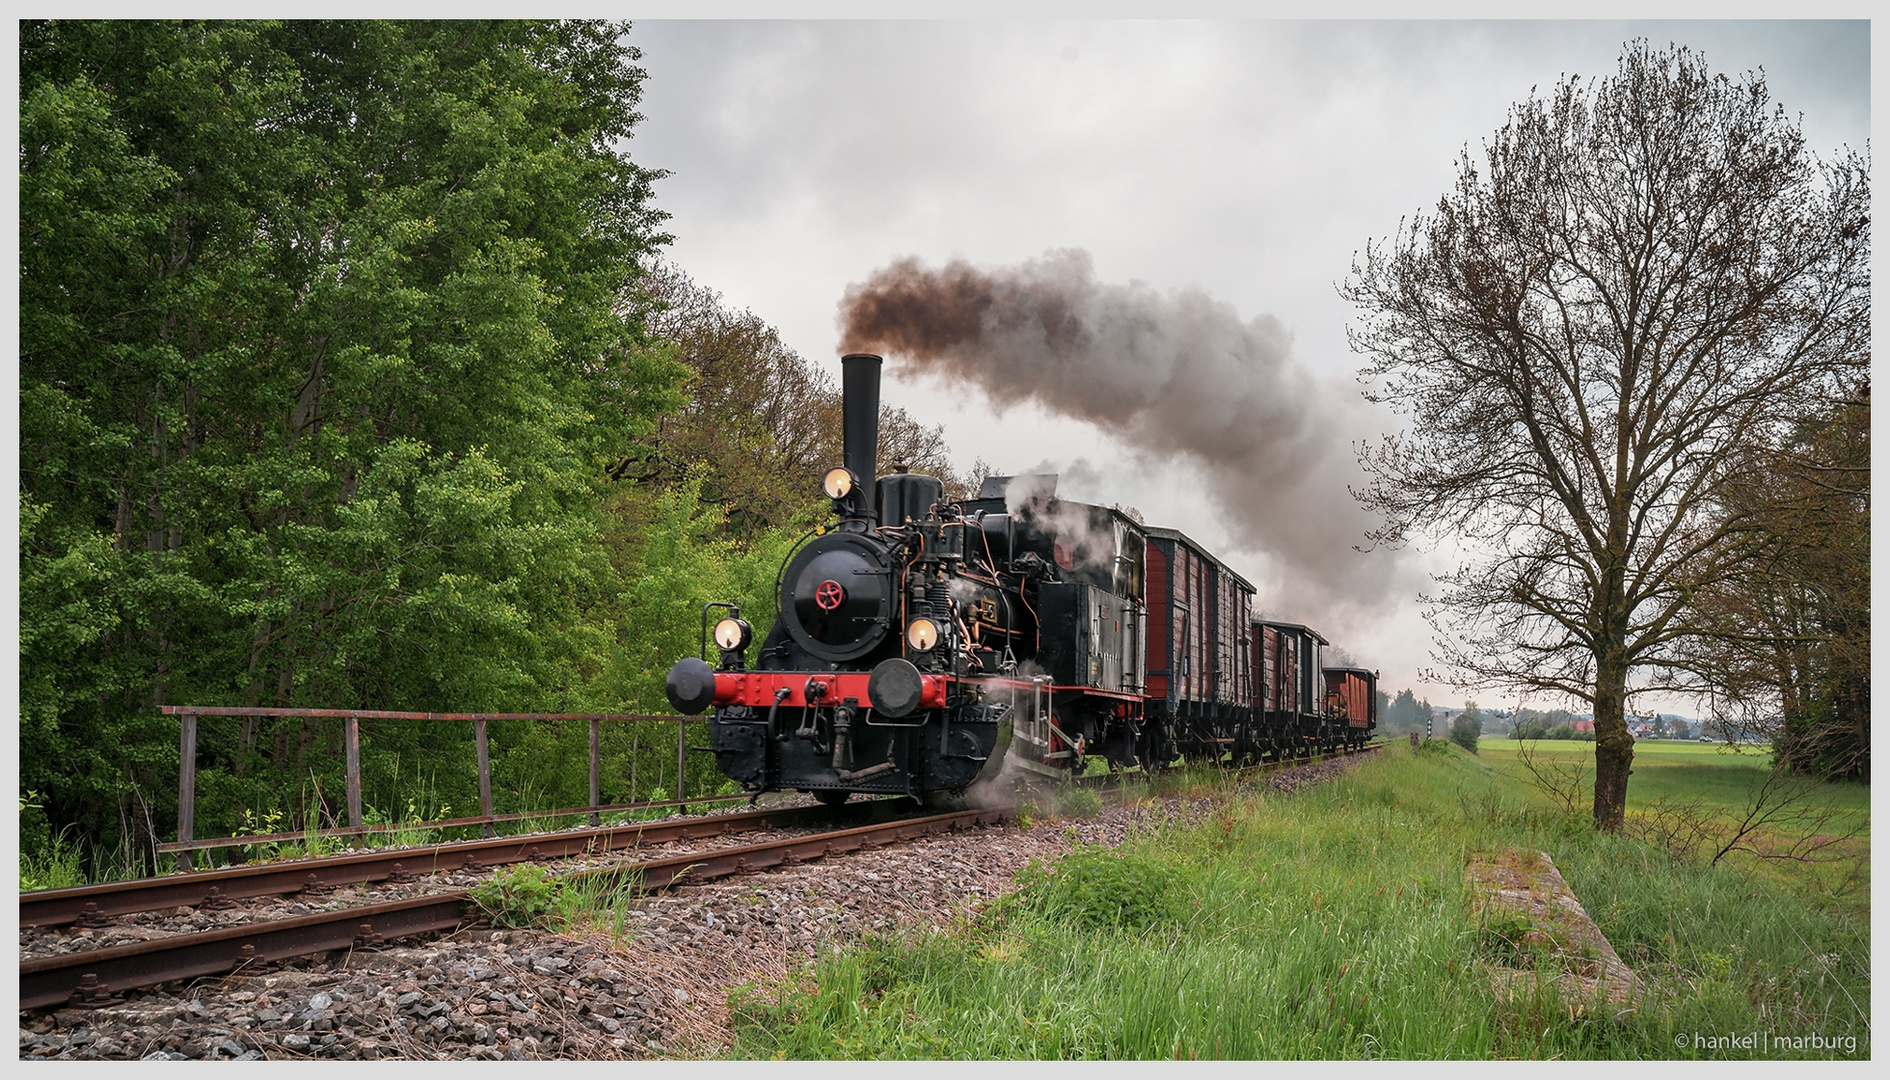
(1678, 770)
(1726, 783)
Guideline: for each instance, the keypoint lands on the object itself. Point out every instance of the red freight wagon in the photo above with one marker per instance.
(1200, 663)
(1289, 701)
(1352, 699)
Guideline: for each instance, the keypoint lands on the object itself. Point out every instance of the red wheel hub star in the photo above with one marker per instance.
(830, 595)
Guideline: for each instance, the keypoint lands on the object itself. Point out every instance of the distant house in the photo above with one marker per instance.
(1583, 726)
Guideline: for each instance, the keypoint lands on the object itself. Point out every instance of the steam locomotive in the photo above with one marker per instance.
(923, 645)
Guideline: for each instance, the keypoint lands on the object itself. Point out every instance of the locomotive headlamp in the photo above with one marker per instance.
(922, 634)
(838, 483)
(732, 635)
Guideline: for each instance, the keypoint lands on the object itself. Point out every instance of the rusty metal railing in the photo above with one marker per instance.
(351, 739)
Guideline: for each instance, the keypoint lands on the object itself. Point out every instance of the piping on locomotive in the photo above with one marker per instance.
(922, 644)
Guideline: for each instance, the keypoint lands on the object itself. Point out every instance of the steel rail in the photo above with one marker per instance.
(92, 905)
(96, 977)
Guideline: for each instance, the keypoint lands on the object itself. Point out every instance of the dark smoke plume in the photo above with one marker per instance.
(1175, 376)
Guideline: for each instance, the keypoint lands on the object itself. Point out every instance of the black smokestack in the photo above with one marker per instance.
(859, 386)
(1180, 377)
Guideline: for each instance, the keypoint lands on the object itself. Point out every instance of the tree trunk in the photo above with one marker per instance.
(1614, 747)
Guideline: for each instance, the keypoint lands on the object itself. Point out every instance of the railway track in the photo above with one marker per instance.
(1108, 783)
(98, 977)
(92, 905)
(1288, 763)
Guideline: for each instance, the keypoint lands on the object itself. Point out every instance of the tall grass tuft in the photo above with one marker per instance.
(55, 864)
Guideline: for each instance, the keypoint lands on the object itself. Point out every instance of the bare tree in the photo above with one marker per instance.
(1642, 275)
(762, 419)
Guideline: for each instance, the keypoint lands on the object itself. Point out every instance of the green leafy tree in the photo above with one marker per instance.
(324, 354)
(1531, 724)
(1407, 713)
(1793, 660)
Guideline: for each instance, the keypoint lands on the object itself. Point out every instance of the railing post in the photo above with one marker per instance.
(682, 750)
(485, 776)
(596, 801)
(186, 786)
(353, 739)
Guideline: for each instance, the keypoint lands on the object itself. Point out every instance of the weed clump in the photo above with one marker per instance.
(1073, 801)
(1099, 889)
(518, 896)
(1505, 939)
(526, 896)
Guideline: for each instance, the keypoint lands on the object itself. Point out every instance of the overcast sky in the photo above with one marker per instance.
(1247, 160)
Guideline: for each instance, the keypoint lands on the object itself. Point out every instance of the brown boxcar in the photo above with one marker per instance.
(1352, 700)
(1286, 656)
(1289, 698)
(1200, 661)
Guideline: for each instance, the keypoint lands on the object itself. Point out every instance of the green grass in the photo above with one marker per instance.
(525, 895)
(1333, 923)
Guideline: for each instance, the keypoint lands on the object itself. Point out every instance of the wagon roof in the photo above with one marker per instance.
(1183, 538)
(1301, 627)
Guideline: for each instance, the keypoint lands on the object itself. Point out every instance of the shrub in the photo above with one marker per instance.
(1464, 731)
